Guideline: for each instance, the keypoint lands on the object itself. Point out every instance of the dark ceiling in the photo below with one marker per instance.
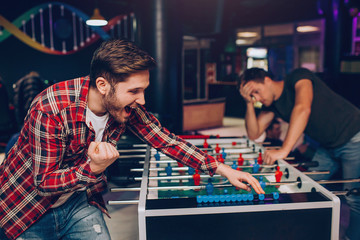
(108, 8)
(198, 16)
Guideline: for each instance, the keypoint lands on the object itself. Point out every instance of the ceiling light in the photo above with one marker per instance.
(247, 34)
(96, 19)
(241, 41)
(307, 29)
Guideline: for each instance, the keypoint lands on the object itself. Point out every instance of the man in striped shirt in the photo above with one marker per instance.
(52, 179)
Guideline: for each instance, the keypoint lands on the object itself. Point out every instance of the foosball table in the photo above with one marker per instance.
(178, 202)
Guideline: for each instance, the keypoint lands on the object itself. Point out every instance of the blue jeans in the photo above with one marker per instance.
(348, 156)
(75, 219)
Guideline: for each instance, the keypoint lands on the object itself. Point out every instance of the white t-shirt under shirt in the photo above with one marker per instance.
(98, 123)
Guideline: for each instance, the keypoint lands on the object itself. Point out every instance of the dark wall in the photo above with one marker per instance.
(17, 58)
(199, 17)
(215, 18)
(344, 84)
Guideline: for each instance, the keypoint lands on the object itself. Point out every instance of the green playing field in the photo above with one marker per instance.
(193, 193)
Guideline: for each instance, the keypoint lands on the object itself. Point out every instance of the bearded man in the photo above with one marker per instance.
(52, 179)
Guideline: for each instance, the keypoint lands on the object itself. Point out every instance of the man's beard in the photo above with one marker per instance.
(113, 109)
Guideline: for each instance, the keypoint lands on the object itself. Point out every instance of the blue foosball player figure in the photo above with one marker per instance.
(256, 167)
(209, 187)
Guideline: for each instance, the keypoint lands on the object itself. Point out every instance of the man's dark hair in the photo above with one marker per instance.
(253, 74)
(25, 91)
(273, 122)
(116, 59)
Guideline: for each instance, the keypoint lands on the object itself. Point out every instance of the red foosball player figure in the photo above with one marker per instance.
(260, 160)
(196, 178)
(220, 158)
(278, 174)
(217, 148)
(233, 144)
(240, 161)
(206, 145)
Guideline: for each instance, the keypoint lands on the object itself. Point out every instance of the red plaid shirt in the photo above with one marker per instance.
(50, 157)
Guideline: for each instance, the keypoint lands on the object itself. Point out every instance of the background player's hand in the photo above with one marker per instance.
(271, 156)
(237, 178)
(102, 155)
(246, 91)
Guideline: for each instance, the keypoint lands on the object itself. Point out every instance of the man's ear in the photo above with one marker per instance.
(267, 80)
(102, 85)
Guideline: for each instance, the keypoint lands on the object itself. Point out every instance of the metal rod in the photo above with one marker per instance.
(169, 160)
(160, 169)
(131, 150)
(340, 193)
(228, 146)
(123, 202)
(234, 153)
(271, 148)
(216, 176)
(195, 187)
(354, 191)
(131, 156)
(187, 168)
(229, 156)
(129, 146)
(190, 176)
(316, 172)
(355, 180)
(228, 163)
(132, 189)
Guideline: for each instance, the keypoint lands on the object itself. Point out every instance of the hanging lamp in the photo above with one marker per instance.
(96, 19)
